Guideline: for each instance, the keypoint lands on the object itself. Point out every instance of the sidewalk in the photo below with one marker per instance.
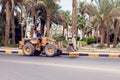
(96, 50)
(8, 48)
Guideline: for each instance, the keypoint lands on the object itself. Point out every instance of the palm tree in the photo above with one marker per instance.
(67, 20)
(94, 22)
(63, 18)
(104, 12)
(9, 6)
(49, 6)
(12, 18)
(30, 7)
(13, 22)
(81, 8)
(41, 13)
(116, 25)
(81, 24)
(74, 21)
(7, 28)
(116, 32)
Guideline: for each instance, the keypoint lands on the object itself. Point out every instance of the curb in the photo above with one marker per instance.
(19, 52)
(71, 54)
(76, 54)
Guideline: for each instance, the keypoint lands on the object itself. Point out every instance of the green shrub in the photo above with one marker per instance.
(58, 37)
(83, 43)
(65, 43)
(90, 40)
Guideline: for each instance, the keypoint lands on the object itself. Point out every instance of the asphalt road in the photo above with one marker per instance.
(15, 67)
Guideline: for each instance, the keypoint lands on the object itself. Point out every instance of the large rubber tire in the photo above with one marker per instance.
(28, 49)
(50, 50)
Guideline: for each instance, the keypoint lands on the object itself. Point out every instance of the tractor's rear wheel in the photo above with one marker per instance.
(50, 50)
(28, 49)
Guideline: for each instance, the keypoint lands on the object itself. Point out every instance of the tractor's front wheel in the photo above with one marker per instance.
(50, 50)
(28, 49)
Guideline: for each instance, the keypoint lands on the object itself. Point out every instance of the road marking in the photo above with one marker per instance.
(74, 54)
(79, 67)
(20, 52)
(93, 55)
(113, 55)
(8, 52)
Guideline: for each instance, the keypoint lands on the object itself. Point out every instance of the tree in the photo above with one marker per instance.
(116, 25)
(94, 22)
(9, 6)
(7, 28)
(63, 18)
(67, 20)
(104, 12)
(13, 22)
(116, 31)
(49, 6)
(30, 7)
(81, 8)
(74, 21)
(81, 24)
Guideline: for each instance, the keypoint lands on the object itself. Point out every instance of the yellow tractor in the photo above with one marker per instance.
(34, 46)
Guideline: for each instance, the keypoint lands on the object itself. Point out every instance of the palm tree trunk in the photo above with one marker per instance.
(116, 31)
(74, 22)
(48, 21)
(108, 37)
(7, 28)
(96, 34)
(74, 17)
(102, 36)
(13, 26)
(67, 32)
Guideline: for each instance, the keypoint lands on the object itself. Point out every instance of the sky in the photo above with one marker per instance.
(67, 4)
